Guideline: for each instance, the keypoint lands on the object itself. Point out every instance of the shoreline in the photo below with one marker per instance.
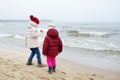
(79, 56)
(13, 66)
(90, 58)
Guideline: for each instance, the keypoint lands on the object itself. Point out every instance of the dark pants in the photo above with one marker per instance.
(35, 51)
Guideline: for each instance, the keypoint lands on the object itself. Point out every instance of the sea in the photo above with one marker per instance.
(93, 44)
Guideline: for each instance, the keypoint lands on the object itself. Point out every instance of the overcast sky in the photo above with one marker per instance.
(62, 10)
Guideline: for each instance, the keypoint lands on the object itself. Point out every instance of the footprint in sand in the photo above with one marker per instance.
(91, 79)
(77, 78)
(57, 77)
(62, 72)
(44, 78)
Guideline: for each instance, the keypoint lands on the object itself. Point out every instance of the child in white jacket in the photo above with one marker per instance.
(32, 40)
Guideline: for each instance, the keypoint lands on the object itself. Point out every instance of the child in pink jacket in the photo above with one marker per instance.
(52, 46)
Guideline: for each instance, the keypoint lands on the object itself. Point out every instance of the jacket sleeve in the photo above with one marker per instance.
(45, 46)
(60, 45)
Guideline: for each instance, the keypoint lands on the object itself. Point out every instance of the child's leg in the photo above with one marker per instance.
(54, 60)
(32, 53)
(49, 60)
(49, 63)
(29, 62)
(38, 54)
(54, 63)
(37, 51)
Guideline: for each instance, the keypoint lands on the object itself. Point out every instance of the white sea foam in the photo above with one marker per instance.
(81, 33)
(93, 33)
(92, 45)
(15, 36)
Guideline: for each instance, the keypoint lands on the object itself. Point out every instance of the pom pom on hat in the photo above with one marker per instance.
(34, 19)
(31, 17)
(51, 25)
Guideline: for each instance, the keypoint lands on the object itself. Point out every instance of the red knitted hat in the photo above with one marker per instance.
(34, 19)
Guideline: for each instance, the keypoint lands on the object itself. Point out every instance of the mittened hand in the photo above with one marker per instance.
(41, 30)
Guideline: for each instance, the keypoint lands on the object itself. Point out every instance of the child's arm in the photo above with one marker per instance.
(41, 30)
(60, 45)
(45, 46)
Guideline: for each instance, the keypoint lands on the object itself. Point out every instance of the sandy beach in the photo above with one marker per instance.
(13, 67)
(89, 31)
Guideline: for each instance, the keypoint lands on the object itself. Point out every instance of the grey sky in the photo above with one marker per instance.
(62, 10)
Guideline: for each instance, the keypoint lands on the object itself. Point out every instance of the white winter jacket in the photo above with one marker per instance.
(32, 35)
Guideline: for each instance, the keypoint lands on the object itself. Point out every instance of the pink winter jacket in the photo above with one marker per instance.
(52, 43)
(32, 35)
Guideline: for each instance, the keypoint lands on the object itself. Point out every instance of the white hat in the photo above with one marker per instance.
(51, 25)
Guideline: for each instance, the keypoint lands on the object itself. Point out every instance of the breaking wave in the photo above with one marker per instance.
(88, 34)
(15, 36)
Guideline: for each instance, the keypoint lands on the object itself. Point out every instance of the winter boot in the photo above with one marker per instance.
(40, 64)
(54, 68)
(50, 70)
(29, 62)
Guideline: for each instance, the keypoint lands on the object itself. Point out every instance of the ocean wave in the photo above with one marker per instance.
(15, 36)
(88, 34)
(111, 51)
(98, 50)
(88, 44)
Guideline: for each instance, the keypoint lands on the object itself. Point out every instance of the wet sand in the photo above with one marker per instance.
(13, 67)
